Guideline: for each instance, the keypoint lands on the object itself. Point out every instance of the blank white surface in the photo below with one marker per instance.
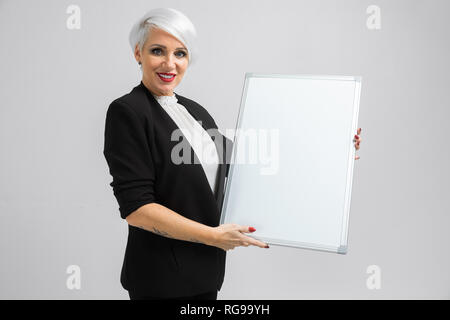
(304, 202)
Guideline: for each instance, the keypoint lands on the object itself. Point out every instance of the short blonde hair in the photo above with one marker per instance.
(169, 20)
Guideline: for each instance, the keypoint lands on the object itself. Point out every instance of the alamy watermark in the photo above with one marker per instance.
(73, 21)
(374, 280)
(374, 20)
(260, 147)
(74, 279)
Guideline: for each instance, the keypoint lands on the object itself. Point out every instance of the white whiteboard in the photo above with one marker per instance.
(299, 194)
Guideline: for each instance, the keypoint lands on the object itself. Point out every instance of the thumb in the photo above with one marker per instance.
(247, 229)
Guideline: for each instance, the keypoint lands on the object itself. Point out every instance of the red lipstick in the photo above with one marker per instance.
(166, 77)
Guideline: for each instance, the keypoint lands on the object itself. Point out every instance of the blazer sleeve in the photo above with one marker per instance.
(127, 153)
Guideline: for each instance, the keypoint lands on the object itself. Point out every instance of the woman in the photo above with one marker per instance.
(176, 247)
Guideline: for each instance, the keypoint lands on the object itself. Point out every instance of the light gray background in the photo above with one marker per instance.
(57, 208)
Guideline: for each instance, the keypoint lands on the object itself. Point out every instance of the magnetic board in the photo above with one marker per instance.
(292, 160)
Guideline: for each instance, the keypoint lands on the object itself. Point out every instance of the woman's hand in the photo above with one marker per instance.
(229, 236)
(357, 141)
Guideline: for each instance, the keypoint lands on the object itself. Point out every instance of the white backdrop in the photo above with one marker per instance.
(58, 210)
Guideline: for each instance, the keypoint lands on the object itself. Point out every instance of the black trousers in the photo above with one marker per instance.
(203, 296)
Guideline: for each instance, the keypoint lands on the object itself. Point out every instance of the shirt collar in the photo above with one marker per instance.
(166, 100)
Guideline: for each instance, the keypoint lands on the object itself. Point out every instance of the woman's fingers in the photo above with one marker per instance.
(242, 239)
(357, 141)
(255, 242)
(246, 229)
(250, 240)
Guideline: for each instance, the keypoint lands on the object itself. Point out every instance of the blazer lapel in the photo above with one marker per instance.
(220, 147)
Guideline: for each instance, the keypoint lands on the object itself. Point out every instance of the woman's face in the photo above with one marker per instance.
(162, 53)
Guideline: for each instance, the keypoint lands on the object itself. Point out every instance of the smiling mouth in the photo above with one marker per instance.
(166, 77)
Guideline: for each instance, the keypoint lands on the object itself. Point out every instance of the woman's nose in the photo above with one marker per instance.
(170, 61)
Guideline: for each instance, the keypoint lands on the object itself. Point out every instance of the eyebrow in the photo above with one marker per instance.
(160, 45)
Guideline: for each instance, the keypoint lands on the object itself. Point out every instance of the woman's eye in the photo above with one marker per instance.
(153, 51)
(157, 52)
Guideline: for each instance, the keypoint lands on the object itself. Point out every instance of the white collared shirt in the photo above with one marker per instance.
(204, 147)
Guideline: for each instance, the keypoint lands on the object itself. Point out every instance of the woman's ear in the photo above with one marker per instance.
(137, 53)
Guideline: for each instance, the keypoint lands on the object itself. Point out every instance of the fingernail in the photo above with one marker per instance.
(251, 229)
(356, 136)
(267, 246)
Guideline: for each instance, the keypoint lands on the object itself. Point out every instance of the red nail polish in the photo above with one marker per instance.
(251, 229)
(266, 246)
(356, 136)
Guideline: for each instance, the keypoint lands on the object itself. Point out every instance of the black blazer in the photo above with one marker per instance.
(137, 148)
